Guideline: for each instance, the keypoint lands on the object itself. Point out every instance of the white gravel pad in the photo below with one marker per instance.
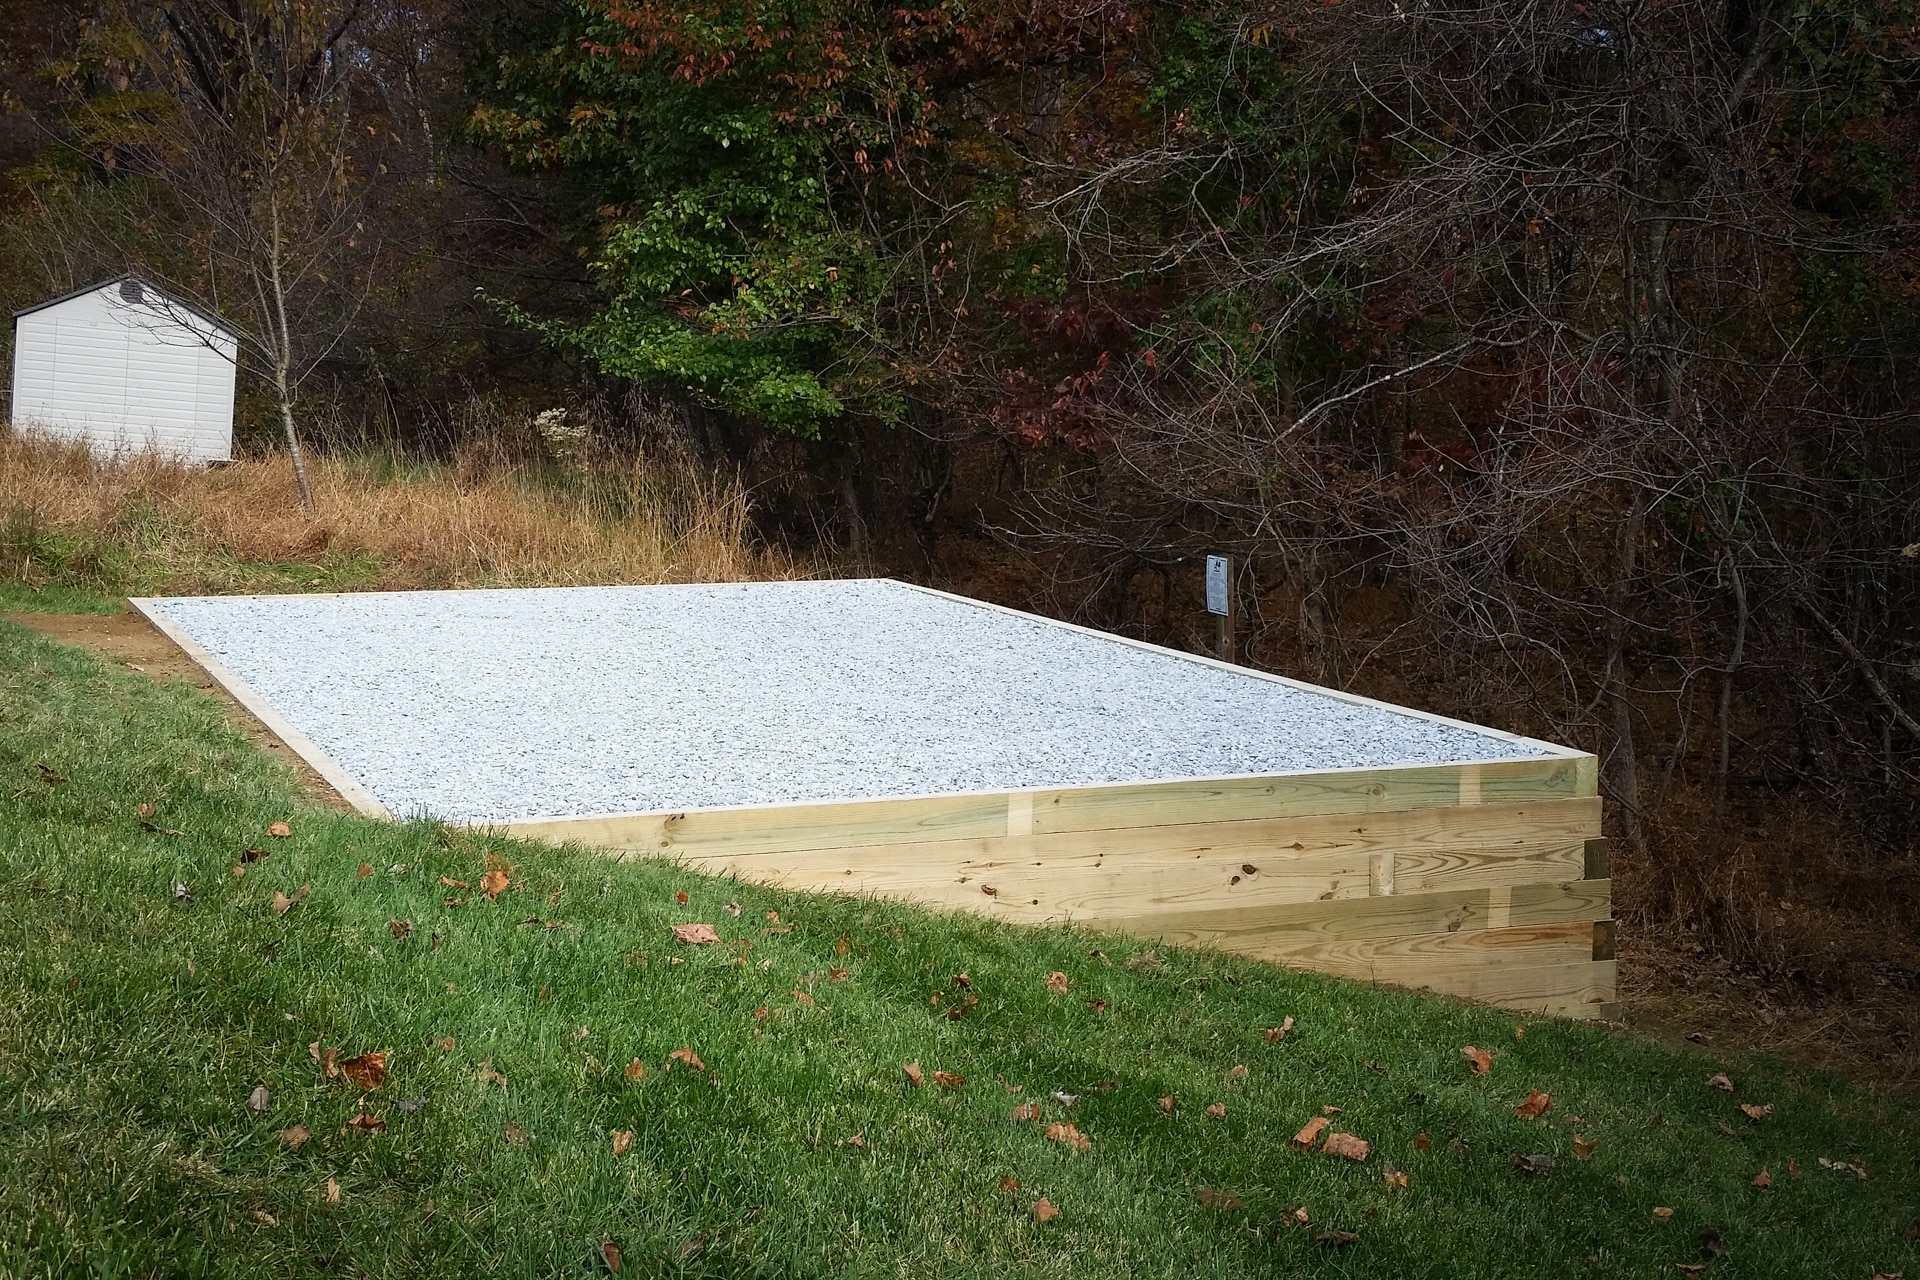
(492, 706)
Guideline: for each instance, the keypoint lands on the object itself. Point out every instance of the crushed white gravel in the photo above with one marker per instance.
(492, 706)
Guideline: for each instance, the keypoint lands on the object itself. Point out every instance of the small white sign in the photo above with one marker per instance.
(1217, 570)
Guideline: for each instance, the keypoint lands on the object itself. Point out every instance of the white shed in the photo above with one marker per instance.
(126, 366)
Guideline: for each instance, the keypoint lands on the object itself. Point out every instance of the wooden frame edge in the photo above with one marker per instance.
(319, 761)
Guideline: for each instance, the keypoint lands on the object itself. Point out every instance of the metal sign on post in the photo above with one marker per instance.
(1220, 604)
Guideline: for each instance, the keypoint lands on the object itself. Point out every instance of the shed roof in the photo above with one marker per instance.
(173, 299)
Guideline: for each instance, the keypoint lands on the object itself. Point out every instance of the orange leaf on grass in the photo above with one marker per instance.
(1216, 1111)
(451, 883)
(610, 1254)
(514, 1133)
(622, 1142)
(1214, 1198)
(446, 1044)
(1043, 1210)
(1479, 1059)
(1346, 1146)
(1275, 1035)
(366, 869)
(1395, 1178)
(1754, 1112)
(914, 1073)
(1718, 1080)
(400, 929)
(1421, 1142)
(144, 811)
(1582, 1149)
(1662, 1213)
(687, 1056)
(368, 1070)
(364, 1123)
(494, 883)
(949, 1080)
(1238, 1073)
(1060, 1131)
(294, 1135)
(836, 974)
(333, 1190)
(280, 830)
(1026, 1111)
(1763, 1180)
(1057, 983)
(695, 934)
(1009, 1184)
(636, 1070)
(1167, 1104)
(487, 1075)
(1309, 1134)
(1537, 1104)
(681, 897)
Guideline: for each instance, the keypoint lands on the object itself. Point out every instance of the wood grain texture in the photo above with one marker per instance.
(1488, 900)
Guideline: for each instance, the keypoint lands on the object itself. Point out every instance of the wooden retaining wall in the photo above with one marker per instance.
(1486, 881)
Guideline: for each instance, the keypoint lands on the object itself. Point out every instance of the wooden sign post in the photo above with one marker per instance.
(1220, 604)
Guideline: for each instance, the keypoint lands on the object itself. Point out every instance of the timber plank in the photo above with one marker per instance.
(1460, 910)
(887, 823)
(1156, 804)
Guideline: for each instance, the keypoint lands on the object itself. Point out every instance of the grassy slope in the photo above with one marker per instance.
(132, 1030)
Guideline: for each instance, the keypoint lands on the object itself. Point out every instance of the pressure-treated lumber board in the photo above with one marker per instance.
(1124, 806)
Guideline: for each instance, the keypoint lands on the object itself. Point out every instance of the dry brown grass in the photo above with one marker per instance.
(139, 524)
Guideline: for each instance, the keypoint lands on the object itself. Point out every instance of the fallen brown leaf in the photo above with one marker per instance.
(1167, 1103)
(252, 855)
(1537, 1104)
(1395, 1178)
(1718, 1080)
(447, 1044)
(801, 997)
(294, 1135)
(1346, 1146)
(400, 929)
(1060, 1131)
(1480, 1060)
(1756, 1112)
(1026, 1111)
(368, 1070)
(949, 1080)
(1421, 1142)
(1793, 1167)
(1690, 1268)
(914, 1073)
(1536, 1163)
(366, 869)
(259, 1099)
(1309, 1135)
(487, 1075)
(1763, 1180)
(635, 1070)
(687, 1056)
(681, 897)
(1009, 1184)
(280, 830)
(1057, 983)
(333, 1190)
(494, 883)
(837, 974)
(283, 904)
(610, 1254)
(1237, 1073)
(1043, 1210)
(1300, 1216)
(1098, 1006)
(1214, 1198)
(514, 1133)
(262, 1217)
(1275, 1035)
(1337, 1237)
(451, 883)
(695, 934)
(622, 1142)
(854, 1140)
(1662, 1214)
(1216, 1111)
(1582, 1149)
(364, 1123)
(144, 811)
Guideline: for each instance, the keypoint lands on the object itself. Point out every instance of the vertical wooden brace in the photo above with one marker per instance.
(1596, 859)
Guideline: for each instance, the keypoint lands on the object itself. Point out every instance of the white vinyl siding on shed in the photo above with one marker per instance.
(126, 376)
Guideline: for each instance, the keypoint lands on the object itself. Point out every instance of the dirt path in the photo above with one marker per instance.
(132, 643)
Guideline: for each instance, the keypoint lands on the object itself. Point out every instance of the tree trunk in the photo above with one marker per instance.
(1626, 764)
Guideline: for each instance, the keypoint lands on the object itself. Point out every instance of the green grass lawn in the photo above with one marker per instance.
(133, 1030)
